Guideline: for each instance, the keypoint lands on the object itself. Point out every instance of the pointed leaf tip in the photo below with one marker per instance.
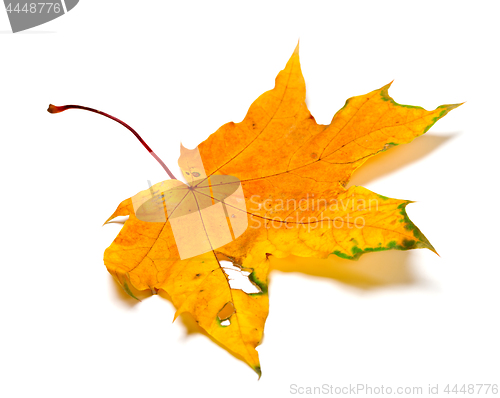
(296, 51)
(385, 89)
(176, 315)
(453, 106)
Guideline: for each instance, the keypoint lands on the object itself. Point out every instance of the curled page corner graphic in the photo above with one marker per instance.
(28, 14)
(204, 215)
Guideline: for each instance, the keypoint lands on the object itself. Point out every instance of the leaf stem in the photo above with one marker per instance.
(58, 109)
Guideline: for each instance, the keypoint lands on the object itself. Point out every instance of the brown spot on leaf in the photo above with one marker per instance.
(226, 311)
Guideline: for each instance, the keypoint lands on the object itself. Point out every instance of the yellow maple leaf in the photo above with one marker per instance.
(286, 176)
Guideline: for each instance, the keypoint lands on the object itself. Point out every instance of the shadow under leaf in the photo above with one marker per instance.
(398, 157)
(372, 270)
(125, 298)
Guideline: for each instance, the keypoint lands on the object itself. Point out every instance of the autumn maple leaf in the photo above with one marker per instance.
(293, 174)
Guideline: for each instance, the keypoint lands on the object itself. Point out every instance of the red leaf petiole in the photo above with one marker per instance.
(58, 109)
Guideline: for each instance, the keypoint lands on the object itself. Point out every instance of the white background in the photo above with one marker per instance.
(176, 71)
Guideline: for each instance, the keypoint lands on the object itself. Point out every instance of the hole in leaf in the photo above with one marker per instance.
(238, 278)
(226, 322)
